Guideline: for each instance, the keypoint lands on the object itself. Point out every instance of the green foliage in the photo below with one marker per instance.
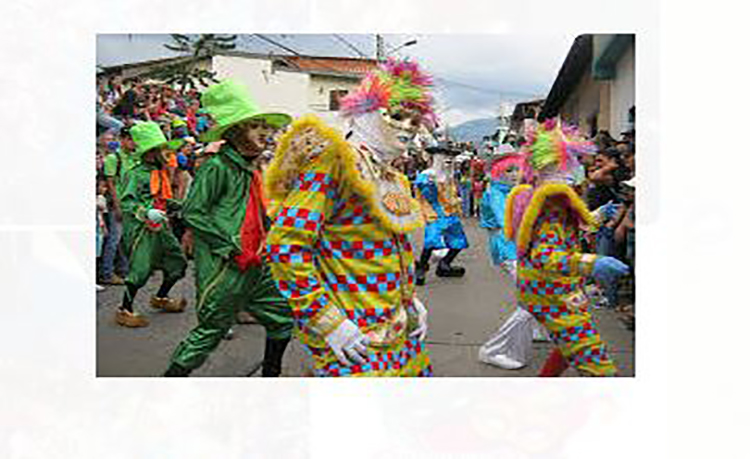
(186, 73)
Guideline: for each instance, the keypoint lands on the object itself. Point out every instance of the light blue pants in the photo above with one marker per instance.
(110, 249)
(109, 122)
(605, 246)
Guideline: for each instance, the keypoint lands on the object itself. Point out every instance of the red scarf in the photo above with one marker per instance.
(253, 232)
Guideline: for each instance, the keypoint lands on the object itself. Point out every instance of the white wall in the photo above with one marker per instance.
(285, 92)
(622, 93)
(318, 96)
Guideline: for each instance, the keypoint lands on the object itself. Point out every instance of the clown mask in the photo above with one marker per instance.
(387, 135)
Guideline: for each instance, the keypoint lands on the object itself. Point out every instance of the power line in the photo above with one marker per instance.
(485, 90)
(273, 42)
(349, 45)
(290, 50)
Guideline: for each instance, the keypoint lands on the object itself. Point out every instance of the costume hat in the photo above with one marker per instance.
(229, 103)
(148, 135)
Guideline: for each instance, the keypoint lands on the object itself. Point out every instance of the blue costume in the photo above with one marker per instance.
(492, 216)
(444, 229)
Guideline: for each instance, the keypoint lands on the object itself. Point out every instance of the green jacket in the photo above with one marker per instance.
(216, 203)
(135, 200)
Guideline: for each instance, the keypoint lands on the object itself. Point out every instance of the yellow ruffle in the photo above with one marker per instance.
(286, 166)
(541, 194)
(509, 209)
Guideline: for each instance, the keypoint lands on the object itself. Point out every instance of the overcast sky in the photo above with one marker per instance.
(474, 74)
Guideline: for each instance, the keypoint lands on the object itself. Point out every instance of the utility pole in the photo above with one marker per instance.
(379, 47)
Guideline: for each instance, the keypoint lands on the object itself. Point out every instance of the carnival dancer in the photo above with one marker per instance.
(545, 220)
(438, 197)
(147, 238)
(226, 211)
(510, 346)
(340, 247)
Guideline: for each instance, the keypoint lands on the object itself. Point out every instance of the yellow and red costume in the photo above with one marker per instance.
(340, 248)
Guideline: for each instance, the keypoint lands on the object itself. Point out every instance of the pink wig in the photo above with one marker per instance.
(520, 203)
(501, 166)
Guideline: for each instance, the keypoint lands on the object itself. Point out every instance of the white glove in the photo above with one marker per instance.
(421, 330)
(347, 342)
(156, 215)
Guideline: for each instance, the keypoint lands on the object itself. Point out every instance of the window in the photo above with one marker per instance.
(335, 97)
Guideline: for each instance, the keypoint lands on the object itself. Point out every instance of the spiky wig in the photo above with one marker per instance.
(553, 146)
(395, 85)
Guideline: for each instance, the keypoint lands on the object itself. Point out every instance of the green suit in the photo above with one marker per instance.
(215, 210)
(147, 250)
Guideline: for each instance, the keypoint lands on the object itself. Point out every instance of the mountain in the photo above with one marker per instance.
(474, 130)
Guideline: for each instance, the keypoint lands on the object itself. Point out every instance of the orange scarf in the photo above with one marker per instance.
(160, 186)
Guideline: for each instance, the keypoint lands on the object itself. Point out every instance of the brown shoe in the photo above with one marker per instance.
(129, 319)
(244, 317)
(114, 280)
(168, 304)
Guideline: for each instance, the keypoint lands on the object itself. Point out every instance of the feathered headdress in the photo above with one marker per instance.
(395, 85)
(553, 146)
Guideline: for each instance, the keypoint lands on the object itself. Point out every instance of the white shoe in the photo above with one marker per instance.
(99, 288)
(499, 360)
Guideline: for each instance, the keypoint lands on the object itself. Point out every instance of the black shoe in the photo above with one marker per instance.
(175, 370)
(444, 270)
(420, 274)
(272, 357)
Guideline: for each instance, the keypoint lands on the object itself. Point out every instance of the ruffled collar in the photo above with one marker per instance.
(385, 191)
(522, 231)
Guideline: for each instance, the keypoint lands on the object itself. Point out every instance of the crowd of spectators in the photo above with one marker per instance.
(120, 105)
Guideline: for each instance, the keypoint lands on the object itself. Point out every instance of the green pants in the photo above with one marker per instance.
(223, 293)
(152, 251)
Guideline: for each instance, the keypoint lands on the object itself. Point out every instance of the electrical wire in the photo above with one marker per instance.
(349, 45)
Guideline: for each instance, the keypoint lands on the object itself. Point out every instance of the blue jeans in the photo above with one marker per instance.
(605, 246)
(110, 249)
(108, 122)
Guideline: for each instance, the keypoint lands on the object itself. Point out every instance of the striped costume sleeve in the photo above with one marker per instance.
(549, 253)
(291, 242)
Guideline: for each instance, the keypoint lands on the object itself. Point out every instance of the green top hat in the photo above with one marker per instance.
(229, 103)
(148, 135)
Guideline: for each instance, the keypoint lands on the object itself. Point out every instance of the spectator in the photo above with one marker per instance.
(112, 165)
(603, 177)
(101, 228)
(477, 190)
(127, 106)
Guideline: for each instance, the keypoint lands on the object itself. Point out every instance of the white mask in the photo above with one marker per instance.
(387, 139)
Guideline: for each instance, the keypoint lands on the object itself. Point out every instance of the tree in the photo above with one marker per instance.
(186, 73)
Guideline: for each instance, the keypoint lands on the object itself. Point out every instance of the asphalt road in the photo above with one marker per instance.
(463, 313)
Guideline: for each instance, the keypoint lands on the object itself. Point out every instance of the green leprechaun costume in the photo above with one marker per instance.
(226, 211)
(147, 239)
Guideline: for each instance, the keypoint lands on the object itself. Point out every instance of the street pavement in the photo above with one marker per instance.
(463, 313)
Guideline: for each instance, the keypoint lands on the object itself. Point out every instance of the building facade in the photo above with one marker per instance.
(595, 87)
(296, 85)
